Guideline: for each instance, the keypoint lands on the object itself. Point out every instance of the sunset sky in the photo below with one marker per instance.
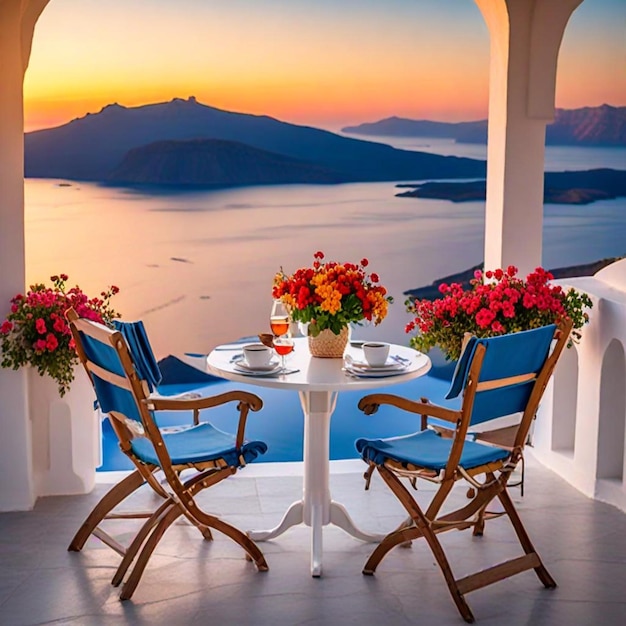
(326, 63)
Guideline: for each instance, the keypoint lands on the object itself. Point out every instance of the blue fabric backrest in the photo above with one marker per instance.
(505, 356)
(141, 351)
(110, 397)
(462, 369)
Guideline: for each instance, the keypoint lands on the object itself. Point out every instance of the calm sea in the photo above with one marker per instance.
(197, 267)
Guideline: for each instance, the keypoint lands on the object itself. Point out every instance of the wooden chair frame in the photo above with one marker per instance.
(178, 494)
(429, 523)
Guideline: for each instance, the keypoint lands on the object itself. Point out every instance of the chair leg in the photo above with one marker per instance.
(479, 526)
(109, 501)
(446, 570)
(138, 541)
(397, 537)
(168, 517)
(541, 571)
(200, 482)
(241, 538)
(422, 528)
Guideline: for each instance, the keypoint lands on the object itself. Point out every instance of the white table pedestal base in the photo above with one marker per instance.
(316, 509)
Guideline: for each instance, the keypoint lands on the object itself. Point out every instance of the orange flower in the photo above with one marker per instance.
(332, 295)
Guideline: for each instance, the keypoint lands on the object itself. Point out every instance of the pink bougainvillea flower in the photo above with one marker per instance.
(505, 303)
(35, 331)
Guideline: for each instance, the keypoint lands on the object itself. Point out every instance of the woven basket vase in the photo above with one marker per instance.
(329, 345)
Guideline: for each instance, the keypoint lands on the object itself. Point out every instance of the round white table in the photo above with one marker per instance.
(317, 381)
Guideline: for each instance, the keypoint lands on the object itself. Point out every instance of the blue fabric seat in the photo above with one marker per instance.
(426, 449)
(494, 378)
(198, 444)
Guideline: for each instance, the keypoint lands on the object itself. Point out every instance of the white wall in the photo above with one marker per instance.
(16, 482)
(594, 461)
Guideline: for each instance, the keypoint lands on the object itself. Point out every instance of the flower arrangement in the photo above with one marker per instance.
(503, 304)
(36, 333)
(331, 295)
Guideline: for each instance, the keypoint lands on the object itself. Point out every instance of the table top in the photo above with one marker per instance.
(318, 374)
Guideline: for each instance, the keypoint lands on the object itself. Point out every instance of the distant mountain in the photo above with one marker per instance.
(462, 132)
(93, 147)
(214, 162)
(590, 126)
(559, 188)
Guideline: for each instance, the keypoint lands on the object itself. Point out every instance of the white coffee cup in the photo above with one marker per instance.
(257, 354)
(376, 353)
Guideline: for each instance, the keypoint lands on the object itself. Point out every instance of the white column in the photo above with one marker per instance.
(17, 21)
(525, 40)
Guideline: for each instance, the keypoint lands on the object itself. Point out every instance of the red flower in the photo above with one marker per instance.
(40, 345)
(59, 325)
(504, 304)
(484, 317)
(6, 327)
(52, 342)
(40, 326)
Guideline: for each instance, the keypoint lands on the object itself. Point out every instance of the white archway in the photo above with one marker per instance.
(525, 39)
(612, 415)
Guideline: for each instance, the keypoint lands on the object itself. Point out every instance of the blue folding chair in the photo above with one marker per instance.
(123, 381)
(496, 377)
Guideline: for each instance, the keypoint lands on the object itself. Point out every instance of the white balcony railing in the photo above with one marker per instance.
(580, 431)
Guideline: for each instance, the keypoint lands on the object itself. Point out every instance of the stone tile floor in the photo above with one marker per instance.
(190, 581)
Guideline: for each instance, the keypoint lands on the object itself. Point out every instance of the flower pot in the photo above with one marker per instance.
(65, 435)
(329, 345)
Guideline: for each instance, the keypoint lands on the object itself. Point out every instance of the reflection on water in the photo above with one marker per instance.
(197, 267)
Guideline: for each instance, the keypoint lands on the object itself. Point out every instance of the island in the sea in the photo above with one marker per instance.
(582, 187)
(184, 143)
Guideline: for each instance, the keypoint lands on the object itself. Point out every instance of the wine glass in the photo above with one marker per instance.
(283, 346)
(279, 319)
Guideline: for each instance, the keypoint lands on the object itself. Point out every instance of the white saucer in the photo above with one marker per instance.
(389, 366)
(362, 372)
(266, 370)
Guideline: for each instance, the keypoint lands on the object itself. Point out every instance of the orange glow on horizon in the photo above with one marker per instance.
(301, 62)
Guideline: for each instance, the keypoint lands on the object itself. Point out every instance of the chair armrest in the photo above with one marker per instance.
(185, 395)
(181, 403)
(369, 405)
(245, 400)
